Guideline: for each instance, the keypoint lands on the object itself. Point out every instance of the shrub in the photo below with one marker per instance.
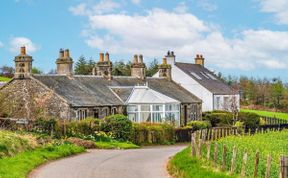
(119, 126)
(148, 133)
(197, 125)
(84, 127)
(219, 119)
(250, 120)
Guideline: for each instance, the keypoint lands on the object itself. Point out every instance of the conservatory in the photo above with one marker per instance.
(147, 105)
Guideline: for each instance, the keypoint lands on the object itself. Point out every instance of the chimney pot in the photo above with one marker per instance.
(141, 58)
(23, 50)
(172, 53)
(107, 56)
(61, 53)
(66, 53)
(135, 59)
(101, 59)
(168, 53)
(165, 61)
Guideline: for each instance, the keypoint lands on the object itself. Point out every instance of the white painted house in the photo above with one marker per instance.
(204, 84)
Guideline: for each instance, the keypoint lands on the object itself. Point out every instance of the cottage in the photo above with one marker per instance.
(75, 97)
(204, 84)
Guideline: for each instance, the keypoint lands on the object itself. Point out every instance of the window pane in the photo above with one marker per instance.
(145, 107)
(145, 117)
(132, 108)
(157, 107)
(133, 117)
(172, 107)
(157, 117)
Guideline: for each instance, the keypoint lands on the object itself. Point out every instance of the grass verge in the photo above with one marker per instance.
(183, 165)
(113, 144)
(4, 79)
(279, 115)
(21, 164)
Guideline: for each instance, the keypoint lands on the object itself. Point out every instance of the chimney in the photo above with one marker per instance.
(165, 70)
(23, 64)
(170, 58)
(61, 53)
(66, 53)
(101, 59)
(104, 67)
(64, 63)
(23, 50)
(107, 57)
(199, 59)
(138, 68)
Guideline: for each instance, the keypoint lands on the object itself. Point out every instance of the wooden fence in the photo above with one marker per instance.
(198, 146)
(274, 121)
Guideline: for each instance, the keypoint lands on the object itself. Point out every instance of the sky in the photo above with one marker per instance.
(247, 37)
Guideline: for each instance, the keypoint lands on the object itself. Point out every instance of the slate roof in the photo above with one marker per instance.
(89, 91)
(206, 78)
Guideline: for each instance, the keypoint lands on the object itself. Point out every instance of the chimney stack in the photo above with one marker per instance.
(165, 69)
(199, 59)
(138, 68)
(170, 58)
(101, 59)
(64, 63)
(23, 50)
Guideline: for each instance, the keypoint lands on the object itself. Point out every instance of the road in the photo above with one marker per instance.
(147, 162)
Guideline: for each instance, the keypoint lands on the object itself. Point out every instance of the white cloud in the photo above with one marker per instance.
(1, 44)
(104, 6)
(157, 31)
(181, 8)
(277, 7)
(206, 5)
(136, 1)
(17, 42)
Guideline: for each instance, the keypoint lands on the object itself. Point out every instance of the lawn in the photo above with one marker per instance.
(274, 143)
(183, 165)
(21, 164)
(4, 79)
(268, 113)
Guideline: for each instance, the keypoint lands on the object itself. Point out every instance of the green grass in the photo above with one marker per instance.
(183, 165)
(274, 143)
(12, 143)
(21, 164)
(268, 113)
(4, 79)
(113, 144)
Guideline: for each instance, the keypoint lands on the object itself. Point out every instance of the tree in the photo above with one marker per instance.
(7, 71)
(121, 69)
(277, 91)
(153, 68)
(35, 70)
(83, 67)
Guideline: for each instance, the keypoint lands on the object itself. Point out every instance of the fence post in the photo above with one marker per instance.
(233, 160)
(208, 150)
(193, 144)
(244, 162)
(212, 134)
(215, 154)
(268, 166)
(283, 167)
(224, 157)
(256, 164)
(199, 148)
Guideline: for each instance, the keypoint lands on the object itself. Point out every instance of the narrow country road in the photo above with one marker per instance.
(148, 162)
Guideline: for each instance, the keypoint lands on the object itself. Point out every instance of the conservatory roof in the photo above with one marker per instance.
(145, 95)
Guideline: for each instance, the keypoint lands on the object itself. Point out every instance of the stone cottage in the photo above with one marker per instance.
(75, 97)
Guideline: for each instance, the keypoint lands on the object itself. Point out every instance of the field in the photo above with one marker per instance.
(4, 79)
(273, 143)
(268, 113)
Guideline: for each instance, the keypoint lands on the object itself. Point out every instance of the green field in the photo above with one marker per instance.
(4, 79)
(278, 115)
(273, 143)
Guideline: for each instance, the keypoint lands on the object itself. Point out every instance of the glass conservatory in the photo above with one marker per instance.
(147, 105)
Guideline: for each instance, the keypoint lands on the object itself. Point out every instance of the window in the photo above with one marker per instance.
(217, 102)
(195, 75)
(96, 113)
(202, 73)
(194, 112)
(81, 114)
(226, 102)
(211, 76)
(114, 111)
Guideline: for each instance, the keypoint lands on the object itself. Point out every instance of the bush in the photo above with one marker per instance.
(148, 133)
(250, 120)
(119, 126)
(218, 119)
(84, 127)
(88, 144)
(197, 125)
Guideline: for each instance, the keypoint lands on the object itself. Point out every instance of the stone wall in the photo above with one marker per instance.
(29, 99)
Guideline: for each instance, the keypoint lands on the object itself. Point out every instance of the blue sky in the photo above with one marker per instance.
(247, 37)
